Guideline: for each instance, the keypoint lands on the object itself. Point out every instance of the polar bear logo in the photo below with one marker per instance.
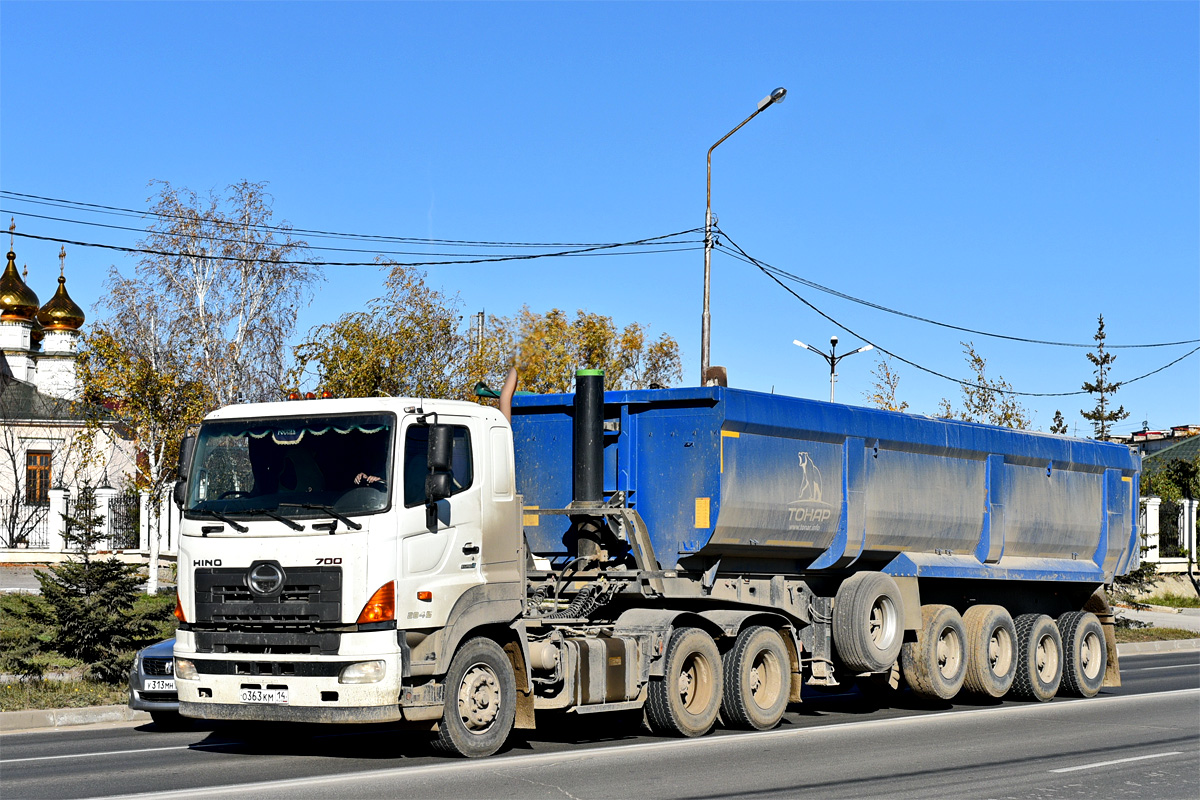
(810, 480)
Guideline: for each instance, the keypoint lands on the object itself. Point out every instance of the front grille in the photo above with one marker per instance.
(160, 697)
(158, 666)
(309, 595)
(278, 643)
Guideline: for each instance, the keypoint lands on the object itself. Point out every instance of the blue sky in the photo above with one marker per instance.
(1012, 167)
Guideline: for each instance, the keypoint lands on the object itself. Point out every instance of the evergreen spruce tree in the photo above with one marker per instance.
(1102, 416)
(91, 599)
(1059, 425)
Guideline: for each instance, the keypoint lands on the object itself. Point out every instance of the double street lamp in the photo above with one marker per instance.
(832, 358)
(774, 97)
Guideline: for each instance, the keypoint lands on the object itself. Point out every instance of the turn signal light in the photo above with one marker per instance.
(382, 605)
(179, 609)
(425, 596)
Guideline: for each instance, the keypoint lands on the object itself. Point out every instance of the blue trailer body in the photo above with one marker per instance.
(817, 486)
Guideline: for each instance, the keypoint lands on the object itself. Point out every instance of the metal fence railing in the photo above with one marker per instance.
(124, 512)
(23, 525)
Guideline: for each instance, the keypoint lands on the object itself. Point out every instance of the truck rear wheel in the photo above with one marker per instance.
(935, 665)
(868, 622)
(686, 699)
(1039, 658)
(1085, 658)
(481, 694)
(991, 650)
(757, 678)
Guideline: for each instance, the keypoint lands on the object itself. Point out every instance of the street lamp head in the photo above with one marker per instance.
(833, 340)
(865, 349)
(776, 96)
(799, 343)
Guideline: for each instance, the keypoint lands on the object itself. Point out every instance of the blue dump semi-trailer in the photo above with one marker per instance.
(690, 553)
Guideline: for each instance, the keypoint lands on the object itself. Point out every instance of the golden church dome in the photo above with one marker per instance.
(61, 313)
(17, 300)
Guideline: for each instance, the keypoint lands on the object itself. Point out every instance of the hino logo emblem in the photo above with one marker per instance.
(265, 579)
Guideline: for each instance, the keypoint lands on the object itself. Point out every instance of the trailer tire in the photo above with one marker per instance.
(1039, 658)
(481, 701)
(1085, 658)
(686, 700)
(868, 622)
(991, 650)
(935, 665)
(757, 678)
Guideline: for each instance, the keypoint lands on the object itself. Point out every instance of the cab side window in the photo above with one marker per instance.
(416, 466)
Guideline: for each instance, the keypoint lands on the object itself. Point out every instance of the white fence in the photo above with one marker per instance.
(1170, 543)
(129, 523)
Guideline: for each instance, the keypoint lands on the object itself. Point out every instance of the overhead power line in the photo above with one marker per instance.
(738, 253)
(308, 246)
(596, 250)
(99, 208)
(770, 274)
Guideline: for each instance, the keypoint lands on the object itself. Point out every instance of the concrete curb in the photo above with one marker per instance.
(63, 717)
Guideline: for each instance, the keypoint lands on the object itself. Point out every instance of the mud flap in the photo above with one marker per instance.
(1098, 605)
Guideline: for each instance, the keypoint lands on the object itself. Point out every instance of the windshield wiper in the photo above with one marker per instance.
(273, 515)
(328, 510)
(237, 526)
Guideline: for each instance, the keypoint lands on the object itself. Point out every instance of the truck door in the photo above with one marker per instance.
(443, 559)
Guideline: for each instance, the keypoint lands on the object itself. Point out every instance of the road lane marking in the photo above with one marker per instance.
(563, 756)
(115, 752)
(1095, 764)
(1172, 666)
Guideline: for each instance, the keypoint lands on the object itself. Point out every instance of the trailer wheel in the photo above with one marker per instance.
(1085, 657)
(991, 650)
(685, 701)
(757, 681)
(1039, 658)
(868, 622)
(481, 694)
(935, 665)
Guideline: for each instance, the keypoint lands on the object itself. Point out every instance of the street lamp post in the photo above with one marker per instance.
(774, 97)
(832, 358)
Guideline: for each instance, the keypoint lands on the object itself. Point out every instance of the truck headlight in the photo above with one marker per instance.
(363, 672)
(186, 670)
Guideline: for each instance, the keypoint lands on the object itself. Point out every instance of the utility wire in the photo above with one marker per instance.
(751, 260)
(307, 246)
(121, 211)
(814, 285)
(595, 250)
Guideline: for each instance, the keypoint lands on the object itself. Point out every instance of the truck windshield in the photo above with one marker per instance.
(293, 466)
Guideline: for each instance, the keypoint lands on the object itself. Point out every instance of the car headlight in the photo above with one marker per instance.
(186, 670)
(363, 672)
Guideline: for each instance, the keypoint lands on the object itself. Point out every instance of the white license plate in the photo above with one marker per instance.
(269, 696)
(160, 685)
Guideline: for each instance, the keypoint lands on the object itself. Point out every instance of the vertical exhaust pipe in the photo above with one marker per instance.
(588, 452)
(589, 437)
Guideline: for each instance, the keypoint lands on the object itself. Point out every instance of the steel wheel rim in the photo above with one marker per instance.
(479, 698)
(695, 683)
(1046, 655)
(1091, 655)
(949, 652)
(1000, 652)
(765, 680)
(884, 622)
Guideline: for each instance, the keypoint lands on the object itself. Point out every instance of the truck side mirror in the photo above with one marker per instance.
(187, 446)
(439, 481)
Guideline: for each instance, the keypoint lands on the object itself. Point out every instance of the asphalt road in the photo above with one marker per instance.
(1141, 740)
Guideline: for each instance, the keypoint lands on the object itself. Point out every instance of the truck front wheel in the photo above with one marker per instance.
(481, 694)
